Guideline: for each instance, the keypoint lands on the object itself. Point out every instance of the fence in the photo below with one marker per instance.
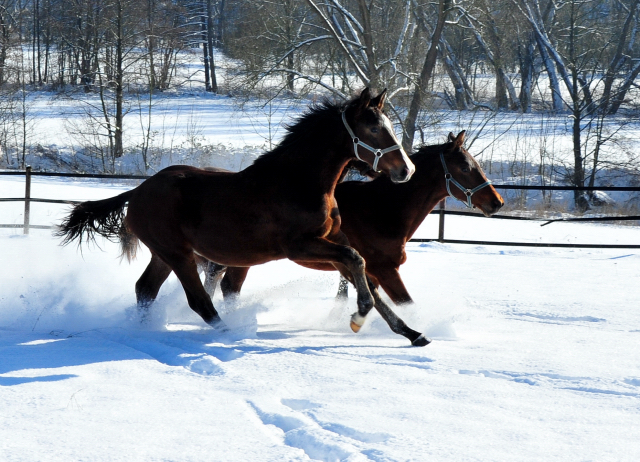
(441, 210)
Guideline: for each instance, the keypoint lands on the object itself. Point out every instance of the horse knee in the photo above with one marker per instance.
(355, 259)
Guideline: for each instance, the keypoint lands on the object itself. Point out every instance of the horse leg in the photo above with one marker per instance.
(232, 282)
(392, 284)
(185, 267)
(323, 250)
(213, 273)
(343, 289)
(397, 325)
(148, 286)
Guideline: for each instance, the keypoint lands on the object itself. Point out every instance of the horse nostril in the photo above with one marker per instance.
(401, 174)
(497, 203)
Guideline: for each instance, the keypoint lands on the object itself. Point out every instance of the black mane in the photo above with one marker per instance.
(309, 130)
(431, 149)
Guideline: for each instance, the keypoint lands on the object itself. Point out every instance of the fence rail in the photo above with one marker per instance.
(441, 211)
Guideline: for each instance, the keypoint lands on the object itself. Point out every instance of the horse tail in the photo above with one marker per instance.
(103, 218)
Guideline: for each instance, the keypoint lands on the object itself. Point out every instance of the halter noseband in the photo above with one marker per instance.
(378, 153)
(468, 192)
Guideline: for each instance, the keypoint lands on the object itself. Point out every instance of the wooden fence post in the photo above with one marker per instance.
(441, 224)
(27, 199)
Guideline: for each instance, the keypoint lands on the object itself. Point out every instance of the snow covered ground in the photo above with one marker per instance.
(535, 354)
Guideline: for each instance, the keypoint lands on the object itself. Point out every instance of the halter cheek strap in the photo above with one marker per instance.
(378, 153)
(467, 192)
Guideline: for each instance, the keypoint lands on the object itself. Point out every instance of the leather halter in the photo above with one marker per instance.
(378, 153)
(467, 192)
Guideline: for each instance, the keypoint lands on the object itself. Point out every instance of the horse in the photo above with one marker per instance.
(379, 217)
(281, 206)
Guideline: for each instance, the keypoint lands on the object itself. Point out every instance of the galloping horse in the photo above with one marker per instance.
(379, 217)
(282, 206)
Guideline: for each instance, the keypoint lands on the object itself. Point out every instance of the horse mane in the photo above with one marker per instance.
(309, 130)
(431, 149)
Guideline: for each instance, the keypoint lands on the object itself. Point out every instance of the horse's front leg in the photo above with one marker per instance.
(397, 325)
(323, 250)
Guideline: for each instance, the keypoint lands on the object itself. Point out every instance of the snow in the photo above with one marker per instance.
(534, 354)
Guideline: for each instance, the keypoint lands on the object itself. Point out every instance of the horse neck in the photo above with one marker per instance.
(326, 163)
(426, 188)
(313, 163)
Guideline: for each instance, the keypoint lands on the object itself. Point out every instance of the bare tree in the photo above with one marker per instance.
(577, 52)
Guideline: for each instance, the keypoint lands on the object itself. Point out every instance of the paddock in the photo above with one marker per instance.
(535, 354)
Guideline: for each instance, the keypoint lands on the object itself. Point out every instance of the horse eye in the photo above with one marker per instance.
(466, 169)
(374, 129)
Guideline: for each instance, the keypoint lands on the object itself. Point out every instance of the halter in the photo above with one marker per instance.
(378, 153)
(466, 191)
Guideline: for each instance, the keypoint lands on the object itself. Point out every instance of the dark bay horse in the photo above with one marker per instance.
(282, 206)
(379, 217)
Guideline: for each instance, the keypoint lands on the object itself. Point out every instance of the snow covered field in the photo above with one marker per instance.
(535, 354)
(534, 357)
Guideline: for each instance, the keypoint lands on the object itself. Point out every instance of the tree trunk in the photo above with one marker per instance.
(4, 44)
(463, 94)
(205, 51)
(526, 73)
(119, 80)
(556, 97)
(151, 40)
(212, 65)
(367, 36)
(425, 76)
(621, 94)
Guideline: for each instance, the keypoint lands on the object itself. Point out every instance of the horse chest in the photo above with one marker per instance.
(332, 221)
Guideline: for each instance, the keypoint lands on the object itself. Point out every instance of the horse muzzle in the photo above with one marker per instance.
(491, 207)
(403, 174)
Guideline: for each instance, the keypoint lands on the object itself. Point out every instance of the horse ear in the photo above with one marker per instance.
(459, 139)
(365, 98)
(379, 100)
(452, 137)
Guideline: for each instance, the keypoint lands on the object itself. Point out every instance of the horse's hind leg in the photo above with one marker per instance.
(233, 281)
(343, 289)
(213, 273)
(185, 267)
(392, 284)
(148, 286)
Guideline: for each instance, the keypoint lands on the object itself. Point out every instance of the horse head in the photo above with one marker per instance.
(465, 179)
(373, 138)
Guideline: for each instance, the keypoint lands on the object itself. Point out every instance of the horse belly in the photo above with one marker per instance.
(236, 250)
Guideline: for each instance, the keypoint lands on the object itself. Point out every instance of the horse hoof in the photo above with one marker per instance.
(421, 341)
(219, 325)
(356, 322)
